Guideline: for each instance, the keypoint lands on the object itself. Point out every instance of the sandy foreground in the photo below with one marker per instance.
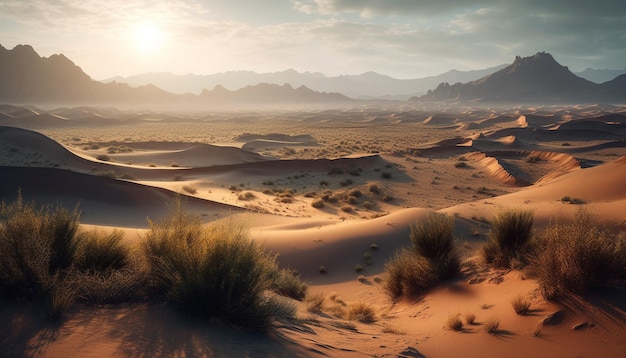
(269, 167)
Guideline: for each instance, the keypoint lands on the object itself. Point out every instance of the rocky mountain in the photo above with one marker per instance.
(538, 78)
(25, 77)
(368, 85)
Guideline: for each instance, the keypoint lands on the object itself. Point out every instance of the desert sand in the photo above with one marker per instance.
(123, 167)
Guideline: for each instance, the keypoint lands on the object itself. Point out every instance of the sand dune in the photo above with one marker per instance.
(386, 167)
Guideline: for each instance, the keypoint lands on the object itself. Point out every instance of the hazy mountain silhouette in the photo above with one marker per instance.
(600, 76)
(537, 78)
(25, 77)
(366, 85)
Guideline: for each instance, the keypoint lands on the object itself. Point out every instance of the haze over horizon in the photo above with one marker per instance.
(400, 38)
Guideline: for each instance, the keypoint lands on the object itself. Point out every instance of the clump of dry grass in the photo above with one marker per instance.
(314, 302)
(509, 238)
(521, 305)
(454, 322)
(577, 256)
(470, 318)
(492, 326)
(318, 203)
(246, 195)
(190, 189)
(362, 312)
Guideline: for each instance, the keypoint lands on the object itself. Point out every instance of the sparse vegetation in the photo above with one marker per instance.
(521, 305)
(434, 257)
(470, 318)
(454, 322)
(492, 326)
(318, 203)
(509, 238)
(214, 271)
(315, 302)
(288, 283)
(362, 312)
(434, 240)
(577, 256)
(103, 157)
(190, 189)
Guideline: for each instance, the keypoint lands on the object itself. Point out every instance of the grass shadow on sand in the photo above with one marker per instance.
(25, 330)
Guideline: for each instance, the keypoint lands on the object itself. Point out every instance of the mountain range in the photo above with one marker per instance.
(538, 78)
(26, 77)
(369, 85)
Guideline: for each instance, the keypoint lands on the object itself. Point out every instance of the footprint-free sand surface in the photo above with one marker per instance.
(379, 168)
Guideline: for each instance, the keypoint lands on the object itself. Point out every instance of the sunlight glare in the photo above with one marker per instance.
(148, 37)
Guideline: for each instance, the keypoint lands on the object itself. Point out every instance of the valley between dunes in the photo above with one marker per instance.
(378, 169)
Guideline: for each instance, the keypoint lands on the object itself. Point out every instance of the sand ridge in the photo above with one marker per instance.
(384, 167)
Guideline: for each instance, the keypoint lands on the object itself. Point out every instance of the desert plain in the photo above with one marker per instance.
(332, 192)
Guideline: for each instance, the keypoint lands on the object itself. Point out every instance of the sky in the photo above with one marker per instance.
(399, 38)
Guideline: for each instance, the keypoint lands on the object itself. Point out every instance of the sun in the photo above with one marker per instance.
(148, 37)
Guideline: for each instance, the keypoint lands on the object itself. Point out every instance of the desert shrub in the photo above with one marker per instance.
(190, 189)
(288, 283)
(355, 192)
(246, 195)
(102, 252)
(314, 302)
(577, 256)
(460, 165)
(492, 326)
(470, 318)
(108, 287)
(386, 175)
(347, 209)
(408, 274)
(454, 322)
(434, 240)
(373, 188)
(346, 182)
(352, 200)
(318, 203)
(521, 305)
(362, 312)
(103, 157)
(37, 250)
(214, 271)
(510, 238)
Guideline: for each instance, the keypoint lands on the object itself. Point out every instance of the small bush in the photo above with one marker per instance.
(362, 312)
(460, 165)
(37, 250)
(509, 238)
(577, 256)
(521, 305)
(315, 302)
(214, 271)
(454, 322)
(435, 241)
(408, 274)
(289, 284)
(386, 175)
(492, 326)
(373, 188)
(346, 182)
(347, 209)
(246, 195)
(318, 203)
(103, 157)
(102, 252)
(470, 318)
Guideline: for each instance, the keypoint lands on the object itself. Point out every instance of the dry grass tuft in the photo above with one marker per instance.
(454, 322)
(521, 305)
(492, 326)
(362, 312)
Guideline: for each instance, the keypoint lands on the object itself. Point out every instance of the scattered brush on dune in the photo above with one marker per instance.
(577, 256)
(434, 257)
(509, 238)
(215, 271)
(38, 248)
